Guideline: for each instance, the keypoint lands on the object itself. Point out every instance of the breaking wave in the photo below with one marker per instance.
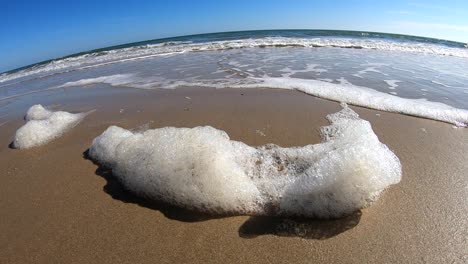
(95, 59)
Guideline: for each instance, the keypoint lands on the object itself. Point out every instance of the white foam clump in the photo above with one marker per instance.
(43, 126)
(202, 169)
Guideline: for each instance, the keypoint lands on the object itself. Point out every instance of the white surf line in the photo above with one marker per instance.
(93, 66)
(359, 96)
(274, 42)
(82, 82)
(366, 97)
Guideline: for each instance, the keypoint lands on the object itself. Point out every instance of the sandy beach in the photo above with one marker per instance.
(58, 207)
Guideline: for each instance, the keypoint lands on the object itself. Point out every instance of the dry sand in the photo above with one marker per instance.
(57, 207)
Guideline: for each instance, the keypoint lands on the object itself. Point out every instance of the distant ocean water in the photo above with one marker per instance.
(407, 74)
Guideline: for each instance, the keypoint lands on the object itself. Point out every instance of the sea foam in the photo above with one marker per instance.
(202, 169)
(43, 126)
(101, 58)
(343, 92)
(367, 97)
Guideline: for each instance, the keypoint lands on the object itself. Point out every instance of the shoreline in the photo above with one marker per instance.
(58, 208)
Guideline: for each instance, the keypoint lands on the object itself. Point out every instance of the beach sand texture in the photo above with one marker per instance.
(58, 207)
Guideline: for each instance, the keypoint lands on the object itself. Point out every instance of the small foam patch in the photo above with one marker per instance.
(202, 169)
(43, 126)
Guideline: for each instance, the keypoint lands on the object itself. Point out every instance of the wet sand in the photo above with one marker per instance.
(59, 207)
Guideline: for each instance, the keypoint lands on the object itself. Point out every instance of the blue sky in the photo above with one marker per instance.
(33, 31)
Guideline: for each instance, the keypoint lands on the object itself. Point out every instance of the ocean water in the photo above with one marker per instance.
(405, 74)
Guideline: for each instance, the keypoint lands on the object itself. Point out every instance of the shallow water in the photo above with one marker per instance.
(400, 66)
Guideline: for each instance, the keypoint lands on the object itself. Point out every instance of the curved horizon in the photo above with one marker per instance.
(36, 32)
(168, 39)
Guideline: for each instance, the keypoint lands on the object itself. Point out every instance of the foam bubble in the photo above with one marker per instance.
(202, 169)
(43, 126)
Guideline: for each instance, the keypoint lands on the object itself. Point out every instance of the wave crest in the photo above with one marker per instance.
(100, 58)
